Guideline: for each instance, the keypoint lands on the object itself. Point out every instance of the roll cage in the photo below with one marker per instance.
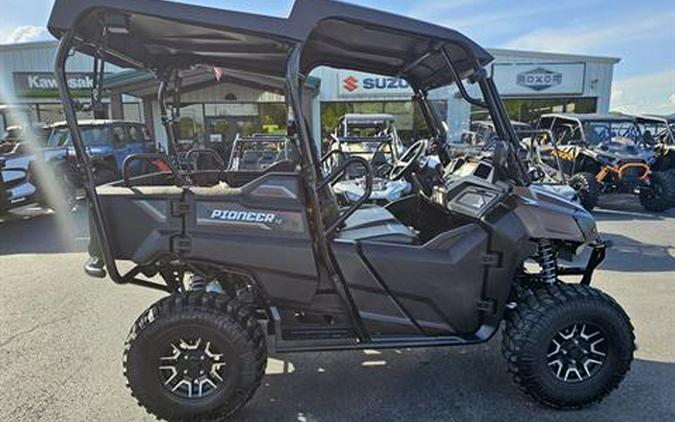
(663, 127)
(166, 38)
(579, 123)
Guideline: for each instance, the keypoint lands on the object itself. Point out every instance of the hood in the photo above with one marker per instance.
(548, 215)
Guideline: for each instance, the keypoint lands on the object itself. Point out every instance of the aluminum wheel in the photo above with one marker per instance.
(577, 352)
(192, 369)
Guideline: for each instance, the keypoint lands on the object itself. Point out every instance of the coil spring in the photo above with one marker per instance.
(548, 262)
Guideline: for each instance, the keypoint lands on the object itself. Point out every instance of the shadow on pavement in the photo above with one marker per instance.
(459, 384)
(622, 207)
(35, 230)
(630, 255)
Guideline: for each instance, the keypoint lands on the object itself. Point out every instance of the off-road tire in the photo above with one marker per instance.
(588, 188)
(539, 317)
(224, 322)
(661, 196)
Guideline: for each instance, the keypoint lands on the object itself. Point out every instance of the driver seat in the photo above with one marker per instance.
(368, 223)
(376, 224)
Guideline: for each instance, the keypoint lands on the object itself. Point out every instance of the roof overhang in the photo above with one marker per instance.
(159, 35)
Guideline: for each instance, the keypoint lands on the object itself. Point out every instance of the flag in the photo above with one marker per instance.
(219, 72)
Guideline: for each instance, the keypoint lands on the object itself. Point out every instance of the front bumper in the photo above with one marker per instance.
(598, 254)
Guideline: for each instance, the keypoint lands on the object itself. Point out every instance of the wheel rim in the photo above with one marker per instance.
(577, 353)
(192, 368)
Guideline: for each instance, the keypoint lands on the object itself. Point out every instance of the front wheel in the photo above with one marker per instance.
(195, 357)
(588, 189)
(568, 346)
(659, 194)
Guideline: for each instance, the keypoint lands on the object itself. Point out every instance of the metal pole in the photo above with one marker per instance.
(310, 170)
(96, 213)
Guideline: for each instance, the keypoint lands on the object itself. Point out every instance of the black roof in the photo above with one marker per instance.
(593, 117)
(164, 34)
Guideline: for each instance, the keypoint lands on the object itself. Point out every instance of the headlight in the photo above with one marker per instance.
(587, 225)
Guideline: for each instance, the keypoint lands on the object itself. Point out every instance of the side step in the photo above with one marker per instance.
(94, 267)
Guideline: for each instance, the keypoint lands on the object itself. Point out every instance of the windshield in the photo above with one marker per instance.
(604, 132)
(91, 135)
(371, 130)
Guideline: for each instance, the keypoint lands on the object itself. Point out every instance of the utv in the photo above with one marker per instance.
(658, 132)
(374, 138)
(275, 264)
(482, 132)
(261, 151)
(608, 153)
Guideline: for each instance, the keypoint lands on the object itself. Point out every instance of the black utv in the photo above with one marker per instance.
(272, 263)
(603, 153)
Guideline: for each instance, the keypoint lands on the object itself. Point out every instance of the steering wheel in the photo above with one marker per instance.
(408, 159)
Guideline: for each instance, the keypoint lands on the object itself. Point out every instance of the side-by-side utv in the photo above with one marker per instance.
(273, 263)
(603, 153)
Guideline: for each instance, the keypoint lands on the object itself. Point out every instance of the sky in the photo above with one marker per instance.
(640, 32)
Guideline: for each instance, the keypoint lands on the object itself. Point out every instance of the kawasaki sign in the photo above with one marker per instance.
(43, 84)
(539, 78)
(364, 85)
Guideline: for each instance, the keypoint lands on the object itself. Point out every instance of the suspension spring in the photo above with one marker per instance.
(548, 262)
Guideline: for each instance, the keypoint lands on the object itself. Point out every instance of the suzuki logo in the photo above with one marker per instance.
(539, 79)
(351, 84)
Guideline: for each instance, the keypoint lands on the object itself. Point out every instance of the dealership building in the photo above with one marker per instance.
(531, 84)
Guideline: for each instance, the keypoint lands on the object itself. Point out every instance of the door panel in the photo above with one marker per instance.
(440, 284)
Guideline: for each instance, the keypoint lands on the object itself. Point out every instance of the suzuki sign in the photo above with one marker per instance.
(366, 85)
(539, 78)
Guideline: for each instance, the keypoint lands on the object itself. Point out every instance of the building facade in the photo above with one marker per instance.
(27, 78)
(531, 84)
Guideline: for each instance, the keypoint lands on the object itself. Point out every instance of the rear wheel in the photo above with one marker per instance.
(195, 357)
(659, 194)
(568, 346)
(588, 188)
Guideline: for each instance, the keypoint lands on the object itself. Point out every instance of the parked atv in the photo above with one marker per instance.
(658, 132)
(261, 151)
(274, 263)
(607, 153)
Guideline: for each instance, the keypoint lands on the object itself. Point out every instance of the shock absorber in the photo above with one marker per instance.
(548, 262)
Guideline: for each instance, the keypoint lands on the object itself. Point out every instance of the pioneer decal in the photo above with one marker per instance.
(245, 216)
(235, 217)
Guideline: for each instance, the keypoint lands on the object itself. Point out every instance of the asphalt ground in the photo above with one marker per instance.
(62, 335)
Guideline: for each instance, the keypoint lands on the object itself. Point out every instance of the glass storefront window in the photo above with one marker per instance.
(528, 110)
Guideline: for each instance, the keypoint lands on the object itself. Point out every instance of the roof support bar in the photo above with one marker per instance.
(62, 55)
(310, 174)
(459, 82)
(96, 213)
(169, 118)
